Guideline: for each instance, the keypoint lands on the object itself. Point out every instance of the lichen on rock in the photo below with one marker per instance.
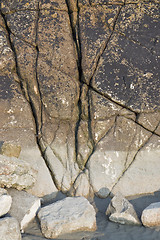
(80, 87)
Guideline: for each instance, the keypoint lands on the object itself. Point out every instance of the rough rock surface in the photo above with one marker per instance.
(24, 207)
(80, 82)
(44, 185)
(151, 215)
(5, 202)
(81, 186)
(66, 216)
(16, 173)
(10, 150)
(120, 210)
(9, 229)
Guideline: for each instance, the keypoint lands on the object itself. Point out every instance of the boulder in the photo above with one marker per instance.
(9, 229)
(16, 173)
(120, 210)
(24, 207)
(66, 216)
(5, 202)
(151, 215)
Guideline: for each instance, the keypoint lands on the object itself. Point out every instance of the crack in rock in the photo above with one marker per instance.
(90, 72)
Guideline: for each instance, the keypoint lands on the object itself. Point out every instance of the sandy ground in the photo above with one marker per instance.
(106, 230)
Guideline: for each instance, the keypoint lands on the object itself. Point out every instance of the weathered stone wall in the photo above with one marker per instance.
(80, 85)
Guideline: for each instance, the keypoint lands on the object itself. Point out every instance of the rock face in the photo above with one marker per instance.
(5, 202)
(24, 207)
(120, 210)
(66, 216)
(10, 150)
(81, 186)
(151, 215)
(9, 229)
(79, 85)
(16, 173)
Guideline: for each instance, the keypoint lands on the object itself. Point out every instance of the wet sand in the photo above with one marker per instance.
(106, 230)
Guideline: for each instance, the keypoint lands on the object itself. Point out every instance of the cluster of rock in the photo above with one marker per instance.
(80, 79)
(72, 214)
(65, 216)
(120, 210)
(9, 229)
(18, 208)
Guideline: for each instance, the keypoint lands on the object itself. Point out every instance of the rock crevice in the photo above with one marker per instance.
(90, 73)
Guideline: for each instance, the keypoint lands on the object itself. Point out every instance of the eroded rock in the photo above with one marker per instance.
(63, 177)
(10, 150)
(16, 173)
(24, 207)
(114, 153)
(17, 126)
(120, 210)
(87, 92)
(124, 61)
(66, 216)
(44, 186)
(81, 186)
(7, 62)
(142, 171)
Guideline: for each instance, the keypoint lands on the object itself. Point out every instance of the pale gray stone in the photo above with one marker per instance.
(120, 210)
(24, 207)
(16, 173)
(66, 216)
(143, 171)
(105, 167)
(151, 215)
(5, 202)
(58, 169)
(44, 186)
(82, 186)
(112, 164)
(9, 229)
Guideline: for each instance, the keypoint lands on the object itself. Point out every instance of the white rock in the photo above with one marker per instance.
(62, 178)
(151, 215)
(44, 185)
(81, 186)
(105, 167)
(24, 207)
(138, 179)
(5, 202)
(66, 216)
(9, 229)
(120, 210)
(16, 173)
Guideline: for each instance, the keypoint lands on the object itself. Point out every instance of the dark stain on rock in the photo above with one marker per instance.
(6, 88)
(129, 73)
